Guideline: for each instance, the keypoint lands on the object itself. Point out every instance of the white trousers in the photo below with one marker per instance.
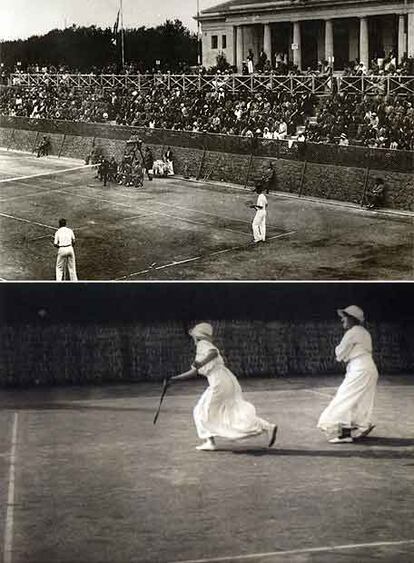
(66, 260)
(259, 225)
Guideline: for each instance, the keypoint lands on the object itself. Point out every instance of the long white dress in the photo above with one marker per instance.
(221, 410)
(353, 403)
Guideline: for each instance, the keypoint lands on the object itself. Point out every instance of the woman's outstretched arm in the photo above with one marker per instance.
(186, 375)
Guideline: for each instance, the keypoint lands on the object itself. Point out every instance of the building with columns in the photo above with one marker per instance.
(304, 32)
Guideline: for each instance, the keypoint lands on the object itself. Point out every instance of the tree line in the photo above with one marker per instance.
(168, 46)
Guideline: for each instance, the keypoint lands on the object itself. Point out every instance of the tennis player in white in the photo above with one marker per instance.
(348, 416)
(221, 410)
(259, 221)
(64, 241)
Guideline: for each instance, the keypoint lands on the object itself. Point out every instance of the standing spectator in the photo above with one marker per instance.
(64, 241)
(148, 162)
(268, 178)
(250, 62)
(168, 159)
(104, 167)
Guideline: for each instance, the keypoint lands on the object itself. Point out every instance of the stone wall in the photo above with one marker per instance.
(322, 171)
(63, 354)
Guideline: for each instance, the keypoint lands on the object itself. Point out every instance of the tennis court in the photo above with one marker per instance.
(87, 477)
(184, 230)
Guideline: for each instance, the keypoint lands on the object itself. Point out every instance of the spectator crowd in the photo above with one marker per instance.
(374, 121)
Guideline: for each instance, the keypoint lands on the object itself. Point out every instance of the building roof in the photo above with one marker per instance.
(233, 6)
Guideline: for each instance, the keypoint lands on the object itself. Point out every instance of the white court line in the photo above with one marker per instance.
(77, 229)
(194, 210)
(298, 551)
(321, 393)
(8, 532)
(138, 216)
(207, 213)
(166, 214)
(49, 173)
(202, 223)
(99, 198)
(42, 192)
(176, 263)
(27, 221)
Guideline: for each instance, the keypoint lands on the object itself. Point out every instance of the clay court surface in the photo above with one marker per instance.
(87, 477)
(187, 230)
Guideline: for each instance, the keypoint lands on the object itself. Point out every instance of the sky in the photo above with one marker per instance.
(20, 19)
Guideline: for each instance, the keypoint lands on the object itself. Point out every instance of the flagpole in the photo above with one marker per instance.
(198, 34)
(122, 35)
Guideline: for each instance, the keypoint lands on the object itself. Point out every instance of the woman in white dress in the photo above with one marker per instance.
(349, 414)
(221, 410)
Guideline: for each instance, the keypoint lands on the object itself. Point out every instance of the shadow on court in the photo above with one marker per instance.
(175, 229)
(96, 481)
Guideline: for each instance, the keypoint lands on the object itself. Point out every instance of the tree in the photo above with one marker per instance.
(85, 48)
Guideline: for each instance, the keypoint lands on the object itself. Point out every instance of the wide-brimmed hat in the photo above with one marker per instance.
(352, 311)
(202, 330)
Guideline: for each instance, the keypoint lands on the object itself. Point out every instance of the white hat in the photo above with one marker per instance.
(353, 311)
(202, 330)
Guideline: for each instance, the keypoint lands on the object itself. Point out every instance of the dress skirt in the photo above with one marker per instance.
(222, 411)
(353, 403)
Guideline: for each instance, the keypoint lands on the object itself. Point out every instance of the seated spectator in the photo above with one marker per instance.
(44, 146)
(343, 140)
(376, 196)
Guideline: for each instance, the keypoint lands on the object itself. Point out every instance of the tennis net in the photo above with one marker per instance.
(67, 177)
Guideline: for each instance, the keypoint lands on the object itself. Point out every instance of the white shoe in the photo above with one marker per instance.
(207, 446)
(347, 440)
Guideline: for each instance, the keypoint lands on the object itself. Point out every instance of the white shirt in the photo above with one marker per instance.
(64, 237)
(261, 202)
(356, 342)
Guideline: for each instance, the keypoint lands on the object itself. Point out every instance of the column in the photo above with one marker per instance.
(353, 37)
(297, 51)
(388, 30)
(321, 41)
(329, 45)
(364, 42)
(410, 35)
(239, 47)
(267, 41)
(402, 40)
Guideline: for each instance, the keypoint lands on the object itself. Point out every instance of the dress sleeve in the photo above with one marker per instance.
(344, 348)
(203, 348)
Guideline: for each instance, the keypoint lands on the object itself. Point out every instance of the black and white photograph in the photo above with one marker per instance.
(176, 138)
(207, 423)
(207, 281)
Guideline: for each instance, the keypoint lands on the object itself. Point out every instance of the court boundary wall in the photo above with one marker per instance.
(43, 353)
(304, 169)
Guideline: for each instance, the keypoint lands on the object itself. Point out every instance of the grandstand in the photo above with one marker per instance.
(330, 134)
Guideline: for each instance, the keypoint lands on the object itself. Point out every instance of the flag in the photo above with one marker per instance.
(115, 30)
